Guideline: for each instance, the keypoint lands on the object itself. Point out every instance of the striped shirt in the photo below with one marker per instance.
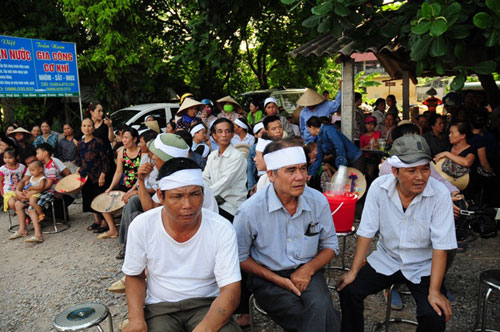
(274, 239)
(407, 238)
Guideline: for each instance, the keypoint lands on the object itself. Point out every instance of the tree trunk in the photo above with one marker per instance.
(490, 87)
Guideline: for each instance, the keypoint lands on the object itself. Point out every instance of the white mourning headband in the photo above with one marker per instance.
(182, 178)
(285, 157)
(196, 129)
(170, 150)
(394, 161)
(261, 144)
(241, 124)
(257, 127)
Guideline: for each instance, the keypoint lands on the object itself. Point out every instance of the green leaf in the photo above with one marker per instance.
(287, 2)
(421, 27)
(323, 9)
(438, 65)
(341, 10)
(324, 26)
(420, 68)
(484, 67)
(458, 82)
(420, 48)
(311, 21)
(494, 6)
(436, 9)
(494, 39)
(438, 27)
(459, 50)
(459, 31)
(426, 10)
(438, 47)
(389, 30)
(482, 20)
(452, 13)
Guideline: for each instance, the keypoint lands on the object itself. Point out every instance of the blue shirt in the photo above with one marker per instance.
(251, 168)
(331, 140)
(266, 232)
(52, 140)
(407, 238)
(326, 108)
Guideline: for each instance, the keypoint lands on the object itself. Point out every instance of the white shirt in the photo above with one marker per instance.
(248, 139)
(380, 118)
(407, 238)
(227, 177)
(178, 271)
(263, 182)
(150, 181)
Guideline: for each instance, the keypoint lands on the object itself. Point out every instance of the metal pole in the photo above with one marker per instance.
(348, 109)
(406, 95)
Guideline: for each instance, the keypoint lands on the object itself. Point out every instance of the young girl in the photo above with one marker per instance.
(35, 186)
(93, 162)
(10, 174)
(368, 141)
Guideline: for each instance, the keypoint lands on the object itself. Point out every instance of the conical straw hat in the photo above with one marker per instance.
(20, 130)
(461, 182)
(188, 102)
(153, 125)
(359, 181)
(70, 184)
(310, 98)
(108, 202)
(228, 99)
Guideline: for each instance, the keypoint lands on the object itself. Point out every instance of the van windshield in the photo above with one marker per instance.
(123, 116)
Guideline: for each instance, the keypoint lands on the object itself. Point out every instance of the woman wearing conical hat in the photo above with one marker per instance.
(229, 108)
(187, 114)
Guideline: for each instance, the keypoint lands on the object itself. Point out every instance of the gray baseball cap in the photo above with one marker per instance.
(411, 148)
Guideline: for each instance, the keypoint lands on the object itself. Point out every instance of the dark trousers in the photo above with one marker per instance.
(369, 282)
(311, 312)
(131, 210)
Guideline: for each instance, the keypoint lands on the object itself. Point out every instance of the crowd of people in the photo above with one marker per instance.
(223, 203)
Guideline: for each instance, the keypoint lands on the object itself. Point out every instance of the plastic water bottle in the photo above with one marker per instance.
(339, 181)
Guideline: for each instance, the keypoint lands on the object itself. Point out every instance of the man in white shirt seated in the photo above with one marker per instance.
(191, 257)
(225, 172)
(413, 216)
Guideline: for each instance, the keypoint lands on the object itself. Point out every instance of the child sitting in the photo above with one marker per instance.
(35, 186)
(10, 174)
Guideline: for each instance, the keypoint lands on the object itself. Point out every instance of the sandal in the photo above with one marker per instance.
(101, 229)
(93, 226)
(461, 248)
(41, 217)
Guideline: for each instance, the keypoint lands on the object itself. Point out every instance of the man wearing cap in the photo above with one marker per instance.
(225, 172)
(285, 237)
(271, 108)
(315, 104)
(413, 217)
(196, 286)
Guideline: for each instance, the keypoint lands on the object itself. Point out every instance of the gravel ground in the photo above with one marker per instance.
(73, 267)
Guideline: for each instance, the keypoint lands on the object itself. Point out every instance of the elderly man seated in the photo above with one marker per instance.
(285, 237)
(191, 257)
(413, 217)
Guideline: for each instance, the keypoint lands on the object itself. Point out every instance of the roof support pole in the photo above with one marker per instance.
(406, 95)
(348, 109)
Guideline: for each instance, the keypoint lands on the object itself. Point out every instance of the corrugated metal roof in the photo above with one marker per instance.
(389, 55)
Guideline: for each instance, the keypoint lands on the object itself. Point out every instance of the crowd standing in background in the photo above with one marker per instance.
(216, 164)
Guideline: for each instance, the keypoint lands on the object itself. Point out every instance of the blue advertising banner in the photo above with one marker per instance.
(37, 68)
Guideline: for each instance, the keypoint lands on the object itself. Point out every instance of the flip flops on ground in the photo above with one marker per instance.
(106, 236)
(16, 235)
(33, 239)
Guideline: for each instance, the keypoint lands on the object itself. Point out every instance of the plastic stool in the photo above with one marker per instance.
(388, 318)
(83, 316)
(490, 278)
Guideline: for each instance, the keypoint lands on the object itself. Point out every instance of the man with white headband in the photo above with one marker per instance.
(241, 133)
(225, 172)
(413, 217)
(285, 237)
(191, 258)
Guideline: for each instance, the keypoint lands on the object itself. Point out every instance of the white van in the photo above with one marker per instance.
(134, 116)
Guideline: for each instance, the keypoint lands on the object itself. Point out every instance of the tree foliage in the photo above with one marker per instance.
(439, 36)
